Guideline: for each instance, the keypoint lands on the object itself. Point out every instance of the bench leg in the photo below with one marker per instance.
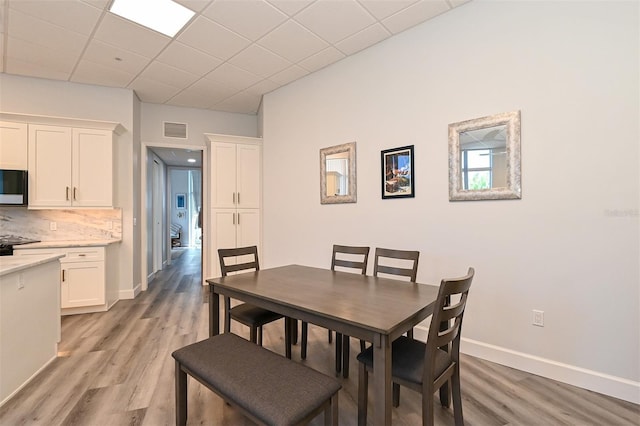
(331, 412)
(181, 396)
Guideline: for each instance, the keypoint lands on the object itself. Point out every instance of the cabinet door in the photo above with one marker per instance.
(92, 168)
(82, 284)
(13, 146)
(49, 166)
(248, 228)
(223, 234)
(248, 176)
(223, 175)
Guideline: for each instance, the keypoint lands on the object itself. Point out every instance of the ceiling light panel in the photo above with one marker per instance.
(165, 16)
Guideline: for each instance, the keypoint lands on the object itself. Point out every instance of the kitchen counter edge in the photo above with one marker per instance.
(68, 244)
(11, 264)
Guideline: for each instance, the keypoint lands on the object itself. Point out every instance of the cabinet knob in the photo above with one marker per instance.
(67, 193)
(74, 193)
(238, 198)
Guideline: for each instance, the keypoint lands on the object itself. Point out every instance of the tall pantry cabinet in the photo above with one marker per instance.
(236, 194)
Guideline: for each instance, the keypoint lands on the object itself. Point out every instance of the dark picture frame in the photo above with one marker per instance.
(397, 172)
(181, 201)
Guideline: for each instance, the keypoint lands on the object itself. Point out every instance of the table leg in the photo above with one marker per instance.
(288, 338)
(214, 312)
(382, 380)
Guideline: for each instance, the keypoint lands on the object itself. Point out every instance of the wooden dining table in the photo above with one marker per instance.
(374, 309)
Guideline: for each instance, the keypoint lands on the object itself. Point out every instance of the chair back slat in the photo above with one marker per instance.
(383, 256)
(446, 322)
(227, 268)
(358, 258)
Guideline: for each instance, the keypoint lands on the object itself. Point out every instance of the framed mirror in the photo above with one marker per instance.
(338, 174)
(484, 158)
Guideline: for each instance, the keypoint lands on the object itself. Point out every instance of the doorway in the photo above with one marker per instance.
(158, 205)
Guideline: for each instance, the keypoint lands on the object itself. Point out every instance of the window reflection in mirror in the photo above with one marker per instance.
(338, 174)
(484, 158)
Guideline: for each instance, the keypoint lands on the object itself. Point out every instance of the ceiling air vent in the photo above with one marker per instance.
(175, 130)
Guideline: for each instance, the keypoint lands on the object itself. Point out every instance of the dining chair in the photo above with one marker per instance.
(252, 316)
(342, 257)
(403, 263)
(426, 367)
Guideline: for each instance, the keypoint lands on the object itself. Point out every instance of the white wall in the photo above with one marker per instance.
(569, 247)
(198, 123)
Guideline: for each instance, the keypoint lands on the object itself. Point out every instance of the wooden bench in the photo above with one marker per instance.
(266, 387)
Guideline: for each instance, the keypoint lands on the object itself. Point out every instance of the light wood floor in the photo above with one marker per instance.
(115, 368)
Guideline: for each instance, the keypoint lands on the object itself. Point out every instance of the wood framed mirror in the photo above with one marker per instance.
(484, 158)
(338, 174)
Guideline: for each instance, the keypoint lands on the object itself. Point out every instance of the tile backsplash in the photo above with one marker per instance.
(69, 225)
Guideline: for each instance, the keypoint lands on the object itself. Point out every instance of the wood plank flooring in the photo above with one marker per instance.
(115, 368)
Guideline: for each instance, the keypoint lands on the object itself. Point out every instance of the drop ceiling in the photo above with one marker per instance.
(229, 54)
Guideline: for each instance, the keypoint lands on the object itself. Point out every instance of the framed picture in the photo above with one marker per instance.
(397, 172)
(181, 201)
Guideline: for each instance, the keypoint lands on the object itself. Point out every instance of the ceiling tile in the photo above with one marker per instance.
(322, 59)
(383, 8)
(37, 31)
(293, 42)
(195, 5)
(126, 35)
(212, 38)
(334, 20)
(242, 103)
(291, 7)
(365, 38)
(258, 60)
(415, 14)
(169, 75)
(181, 56)
(20, 67)
(100, 4)
(265, 86)
(249, 18)
(153, 91)
(211, 90)
(51, 61)
(91, 73)
(74, 16)
(233, 76)
(190, 100)
(287, 76)
(105, 54)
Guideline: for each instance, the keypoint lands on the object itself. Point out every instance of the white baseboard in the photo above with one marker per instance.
(150, 277)
(130, 294)
(606, 384)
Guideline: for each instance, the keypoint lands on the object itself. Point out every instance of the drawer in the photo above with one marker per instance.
(83, 254)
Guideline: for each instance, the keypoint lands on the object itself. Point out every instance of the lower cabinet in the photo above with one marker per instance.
(233, 228)
(85, 284)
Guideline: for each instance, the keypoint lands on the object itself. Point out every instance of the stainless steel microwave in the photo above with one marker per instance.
(13, 187)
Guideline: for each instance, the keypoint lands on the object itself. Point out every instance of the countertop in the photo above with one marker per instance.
(11, 264)
(67, 244)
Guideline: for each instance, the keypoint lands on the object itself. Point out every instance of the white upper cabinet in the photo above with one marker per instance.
(235, 172)
(70, 167)
(13, 146)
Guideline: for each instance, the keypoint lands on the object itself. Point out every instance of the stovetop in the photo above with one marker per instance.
(13, 240)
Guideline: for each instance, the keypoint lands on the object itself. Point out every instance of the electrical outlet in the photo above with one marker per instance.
(538, 318)
(53, 226)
